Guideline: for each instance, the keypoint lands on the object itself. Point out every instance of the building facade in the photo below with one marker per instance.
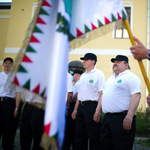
(15, 18)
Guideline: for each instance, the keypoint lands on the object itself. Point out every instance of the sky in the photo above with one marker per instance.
(5, 0)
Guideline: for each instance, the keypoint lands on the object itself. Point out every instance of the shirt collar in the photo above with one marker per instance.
(93, 70)
(124, 72)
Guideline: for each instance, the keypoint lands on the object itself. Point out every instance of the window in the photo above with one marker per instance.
(120, 29)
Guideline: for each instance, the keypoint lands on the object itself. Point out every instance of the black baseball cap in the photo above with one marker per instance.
(120, 58)
(8, 58)
(78, 72)
(89, 56)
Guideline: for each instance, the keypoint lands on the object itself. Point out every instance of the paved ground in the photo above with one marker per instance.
(135, 146)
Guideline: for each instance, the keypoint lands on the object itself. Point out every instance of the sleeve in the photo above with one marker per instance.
(101, 81)
(69, 83)
(134, 84)
(18, 89)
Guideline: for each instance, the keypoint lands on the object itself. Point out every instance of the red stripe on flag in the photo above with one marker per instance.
(16, 81)
(106, 20)
(26, 59)
(40, 21)
(93, 27)
(45, 3)
(37, 89)
(118, 16)
(34, 39)
(79, 32)
(47, 128)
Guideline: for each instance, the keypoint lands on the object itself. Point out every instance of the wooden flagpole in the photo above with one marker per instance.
(139, 61)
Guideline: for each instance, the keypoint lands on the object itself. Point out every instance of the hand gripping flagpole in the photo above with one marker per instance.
(139, 61)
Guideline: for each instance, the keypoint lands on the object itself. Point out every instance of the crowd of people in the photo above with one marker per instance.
(87, 95)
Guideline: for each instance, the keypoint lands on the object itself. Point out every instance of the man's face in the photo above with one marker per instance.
(88, 63)
(7, 65)
(75, 77)
(119, 66)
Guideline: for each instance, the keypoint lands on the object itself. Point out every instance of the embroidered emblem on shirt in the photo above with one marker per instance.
(119, 81)
(91, 81)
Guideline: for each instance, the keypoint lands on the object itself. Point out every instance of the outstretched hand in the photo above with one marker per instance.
(139, 51)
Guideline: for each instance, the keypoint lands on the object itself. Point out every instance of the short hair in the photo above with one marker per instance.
(8, 58)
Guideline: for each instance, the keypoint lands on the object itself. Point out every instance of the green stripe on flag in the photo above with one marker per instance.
(42, 94)
(99, 23)
(55, 136)
(30, 49)
(37, 30)
(113, 18)
(27, 84)
(124, 15)
(21, 69)
(43, 12)
(86, 29)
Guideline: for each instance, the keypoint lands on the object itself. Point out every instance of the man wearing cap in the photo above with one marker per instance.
(120, 100)
(70, 123)
(89, 91)
(8, 107)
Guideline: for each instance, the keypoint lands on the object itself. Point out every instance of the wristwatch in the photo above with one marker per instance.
(16, 109)
(148, 55)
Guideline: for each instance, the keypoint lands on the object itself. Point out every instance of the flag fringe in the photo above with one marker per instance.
(48, 143)
(79, 41)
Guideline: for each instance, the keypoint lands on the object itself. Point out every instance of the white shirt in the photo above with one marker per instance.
(90, 85)
(32, 97)
(7, 88)
(69, 84)
(21, 90)
(118, 91)
(75, 87)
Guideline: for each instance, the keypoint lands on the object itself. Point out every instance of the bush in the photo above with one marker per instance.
(142, 122)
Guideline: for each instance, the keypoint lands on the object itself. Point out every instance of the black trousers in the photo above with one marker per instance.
(87, 128)
(15, 122)
(113, 136)
(31, 127)
(7, 107)
(69, 138)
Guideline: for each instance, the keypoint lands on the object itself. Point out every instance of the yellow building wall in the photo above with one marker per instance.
(4, 20)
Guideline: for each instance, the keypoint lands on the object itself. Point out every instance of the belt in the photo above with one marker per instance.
(123, 112)
(5, 98)
(87, 102)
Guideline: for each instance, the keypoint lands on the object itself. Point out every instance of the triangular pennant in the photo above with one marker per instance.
(33, 39)
(36, 29)
(113, 18)
(99, 23)
(37, 89)
(26, 59)
(118, 16)
(47, 128)
(55, 136)
(124, 15)
(30, 49)
(43, 12)
(43, 93)
(16, 81)
(86, 29)
(45, 3)
(71, 37)
(27, 85)
(78, 32)
(21, 69)
(106, 20)
(93, 26)
(40, 21)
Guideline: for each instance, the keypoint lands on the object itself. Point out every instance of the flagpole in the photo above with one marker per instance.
(139, 61)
